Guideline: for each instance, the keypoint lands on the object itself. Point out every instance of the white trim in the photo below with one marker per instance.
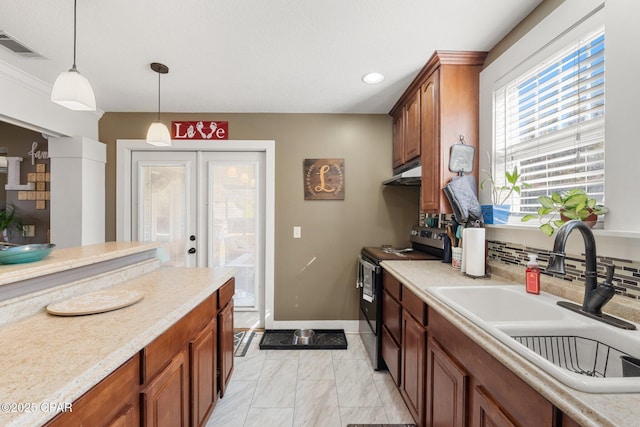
(349, 326)
(124, 147)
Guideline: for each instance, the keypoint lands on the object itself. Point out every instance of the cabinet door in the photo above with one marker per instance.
(447, 384)
(398, 140)
(203, 373)
(115, 401)
(390, 354)
(166, 398)
(430, 135)
(412, 366)
(225, 346)
(392, 316)
(412, 127)
(486, 412)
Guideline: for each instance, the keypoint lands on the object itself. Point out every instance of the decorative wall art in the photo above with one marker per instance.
(200, 130)
(323, 179)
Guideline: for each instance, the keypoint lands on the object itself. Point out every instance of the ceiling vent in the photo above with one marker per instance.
(17, 47)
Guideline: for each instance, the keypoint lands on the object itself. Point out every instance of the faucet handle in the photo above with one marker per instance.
(610, 270)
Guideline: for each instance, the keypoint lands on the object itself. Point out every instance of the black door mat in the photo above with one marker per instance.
(282, 339)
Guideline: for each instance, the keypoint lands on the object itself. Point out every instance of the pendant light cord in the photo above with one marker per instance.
(75, 8)
(158, 96)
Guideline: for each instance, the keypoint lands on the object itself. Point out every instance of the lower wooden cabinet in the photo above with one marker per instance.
(112, 402)
(225, 338)
(166, 398)
(487, 412)
(412, 366)
(203, 363)
(447, 389)
(173, 381)
(391, 354)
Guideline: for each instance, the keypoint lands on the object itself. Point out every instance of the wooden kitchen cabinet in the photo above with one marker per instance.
(225, 335)
(447, 92)
(203, 363)
(112, 402)
(165, 399)
(412, 366)
(397, 153)
(447, 389)
(496, 396)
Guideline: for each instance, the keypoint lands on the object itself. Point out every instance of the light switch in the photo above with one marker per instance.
(297, 232)
(29, 230)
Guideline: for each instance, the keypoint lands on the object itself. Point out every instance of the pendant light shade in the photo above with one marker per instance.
(158, 133)
(71, 89)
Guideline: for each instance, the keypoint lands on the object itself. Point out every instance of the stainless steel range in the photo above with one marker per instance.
(426, 244)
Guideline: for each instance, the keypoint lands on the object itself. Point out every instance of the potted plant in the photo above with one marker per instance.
(498, 211)
(9, 222)
(559, 208)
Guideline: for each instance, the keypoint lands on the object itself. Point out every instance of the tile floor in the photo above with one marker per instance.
(319, 388)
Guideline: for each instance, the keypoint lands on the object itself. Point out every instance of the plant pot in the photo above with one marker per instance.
(591, 220)
(496, 214)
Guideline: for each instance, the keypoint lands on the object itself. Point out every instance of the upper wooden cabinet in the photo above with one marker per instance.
(441, 104)
(406, 131)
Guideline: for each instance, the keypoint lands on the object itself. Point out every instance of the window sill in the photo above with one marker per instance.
(597, 232)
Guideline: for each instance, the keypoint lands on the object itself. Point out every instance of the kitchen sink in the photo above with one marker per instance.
(580, 352)
(506, 303)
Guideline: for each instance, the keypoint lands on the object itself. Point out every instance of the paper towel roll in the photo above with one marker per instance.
(473, 243)
(464, 250)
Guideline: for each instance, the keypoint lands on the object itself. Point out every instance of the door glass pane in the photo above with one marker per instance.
(163, 207)
(233, 225)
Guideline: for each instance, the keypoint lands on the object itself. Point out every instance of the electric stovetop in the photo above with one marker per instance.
(390, 254)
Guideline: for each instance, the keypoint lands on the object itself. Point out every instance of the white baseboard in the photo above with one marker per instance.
(349, 326)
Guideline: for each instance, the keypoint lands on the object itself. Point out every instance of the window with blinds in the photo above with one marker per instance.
(549, 122)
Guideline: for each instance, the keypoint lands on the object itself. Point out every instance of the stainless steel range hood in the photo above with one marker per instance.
(411, 176)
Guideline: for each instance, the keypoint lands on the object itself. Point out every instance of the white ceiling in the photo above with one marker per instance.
(297, 56)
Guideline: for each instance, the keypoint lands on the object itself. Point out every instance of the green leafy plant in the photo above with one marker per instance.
(9, 221)
(501, 193)
(559, 208)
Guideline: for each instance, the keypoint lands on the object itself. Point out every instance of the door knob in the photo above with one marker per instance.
(192, 237)
(192, 250)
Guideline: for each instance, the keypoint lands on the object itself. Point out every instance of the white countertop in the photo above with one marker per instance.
(49, 359)
(588, 409)
(68, 258)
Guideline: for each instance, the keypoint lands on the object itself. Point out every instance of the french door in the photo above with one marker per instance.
(207, 209)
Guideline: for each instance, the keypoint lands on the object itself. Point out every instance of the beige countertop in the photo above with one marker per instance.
(589, 409)
(68, 258)
(46, 359)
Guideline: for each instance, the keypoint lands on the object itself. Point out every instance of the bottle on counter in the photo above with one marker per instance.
(532, 278)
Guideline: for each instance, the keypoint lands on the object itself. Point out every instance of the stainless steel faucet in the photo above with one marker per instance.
(595, 297)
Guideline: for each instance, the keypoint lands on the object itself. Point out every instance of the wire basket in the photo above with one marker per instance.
(581, 355)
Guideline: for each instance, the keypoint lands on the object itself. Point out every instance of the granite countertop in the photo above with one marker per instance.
(588, 409)
(54, 360)
(68, 258)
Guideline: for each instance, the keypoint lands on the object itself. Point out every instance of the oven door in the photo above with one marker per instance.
(370, 284)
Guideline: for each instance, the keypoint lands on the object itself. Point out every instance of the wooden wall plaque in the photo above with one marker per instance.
(323, 179)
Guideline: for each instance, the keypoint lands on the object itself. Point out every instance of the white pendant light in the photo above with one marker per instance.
(158, 133)
(71, 89)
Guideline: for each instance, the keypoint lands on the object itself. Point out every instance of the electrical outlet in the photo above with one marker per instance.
(297, 232)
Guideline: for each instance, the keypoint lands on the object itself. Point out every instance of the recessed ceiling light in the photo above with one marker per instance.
(372, 78)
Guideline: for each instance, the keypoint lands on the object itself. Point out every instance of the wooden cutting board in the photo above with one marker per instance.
(95, 302)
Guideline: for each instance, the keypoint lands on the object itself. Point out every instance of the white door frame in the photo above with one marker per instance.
(124, 147)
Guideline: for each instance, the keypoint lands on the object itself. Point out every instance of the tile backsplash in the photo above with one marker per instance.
(626, 279)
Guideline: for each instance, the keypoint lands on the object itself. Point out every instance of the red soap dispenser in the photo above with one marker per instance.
(533, 275)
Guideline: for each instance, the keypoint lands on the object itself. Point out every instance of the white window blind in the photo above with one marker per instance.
(549, 122)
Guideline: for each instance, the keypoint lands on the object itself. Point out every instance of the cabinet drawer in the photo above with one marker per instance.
(225, 293)
(392, 316)
(391, 355)
(414, 305)
(161, 350)
(391, 285)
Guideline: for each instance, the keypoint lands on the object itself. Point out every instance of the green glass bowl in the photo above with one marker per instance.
(24, 253)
